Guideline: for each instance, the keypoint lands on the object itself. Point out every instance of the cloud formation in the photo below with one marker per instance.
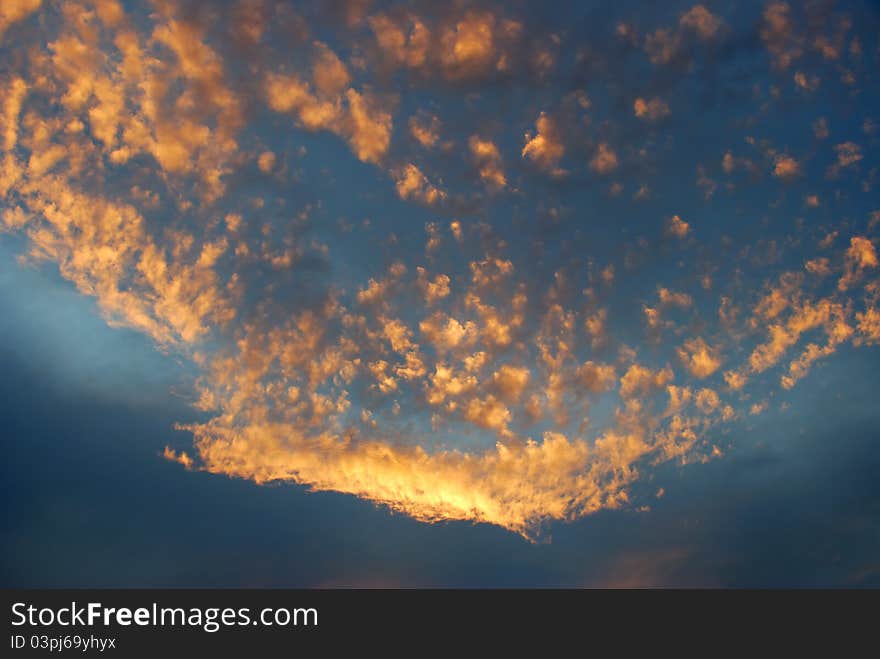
(410, 260)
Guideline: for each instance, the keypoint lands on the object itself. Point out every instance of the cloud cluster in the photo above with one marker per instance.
(508, 364)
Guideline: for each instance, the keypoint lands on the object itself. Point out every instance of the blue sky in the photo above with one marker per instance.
(367, 294)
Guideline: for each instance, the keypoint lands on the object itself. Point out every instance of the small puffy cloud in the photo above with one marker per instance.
(786, 167)
(735, 380)
(675, 226)
(728, 163)
(357, 117)
(707, 400)
(641, 380)
(425, 129)
(674, 298)
(446, 383)
(434, 240)
(860, 256)
(433, 289)
(457, 232)
(868, 327)
(289, 93)
(370, 127)
(545, 147)
(488, 161)
(475, 44)
(510, 382)
(666, 45)
(266, 162)
(489, 413)
(383, 380)
(405, 41)
(181, 458)
(468, 45)
(446, 333)
(679, 398)
(702, 21)
(820, 266)
(377, 291)
(651, 110)
(777, 33)
(662, 46)
(700, 359)
(604, 161)
(848, 154)
(490, 271)
(806, 83)
(412, 184)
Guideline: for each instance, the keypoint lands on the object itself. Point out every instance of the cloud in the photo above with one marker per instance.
(700, 359)
(675, 226)
(405, 42)
(868, 327)
(848, 154)
(425, 129)
(436, 289)
(783, 335)
(545, 147)
(330, 75)
(288, 93)
(651, 110)
(488, 161)
(640, 380)
(819, 266)
(673, 298)
(356, 116)
(266, 162)
(807, 84)
(412, 184)
(604, 161)
(461, 46)
(778, 34)
(370, 127)
(496, 373)
(860, 256)
(510, 382)
(668, 45)
(786, 167)
(469, 47)
(702, 21)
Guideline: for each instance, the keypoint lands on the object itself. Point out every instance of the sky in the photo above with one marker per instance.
(466, 294)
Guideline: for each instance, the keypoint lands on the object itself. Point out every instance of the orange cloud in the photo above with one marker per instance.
(860, 256)
(412, 184)
(786, 167)
(604, 161)
(545, 147)
(488, 161)
(651, 110)
(699, 359)
(677, 227)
